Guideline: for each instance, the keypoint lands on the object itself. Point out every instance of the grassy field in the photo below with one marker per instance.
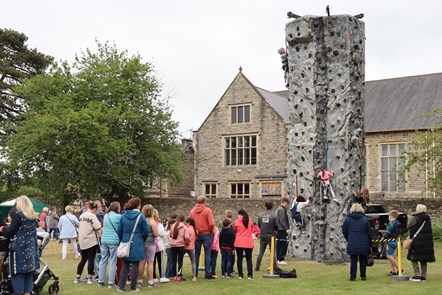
(313, 278)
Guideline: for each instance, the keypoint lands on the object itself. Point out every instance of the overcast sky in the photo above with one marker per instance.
(197, 46)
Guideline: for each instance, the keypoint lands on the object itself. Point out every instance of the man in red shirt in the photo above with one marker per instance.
(204, 224)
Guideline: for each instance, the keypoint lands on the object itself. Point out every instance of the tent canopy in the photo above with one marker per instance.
(7, 205)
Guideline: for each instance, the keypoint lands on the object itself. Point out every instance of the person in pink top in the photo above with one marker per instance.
(189, 248)
(324, 175)
(178, 238)
(256, 231)
(214, 252)
(243, 227)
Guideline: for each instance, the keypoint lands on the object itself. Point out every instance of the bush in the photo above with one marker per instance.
(436, 223)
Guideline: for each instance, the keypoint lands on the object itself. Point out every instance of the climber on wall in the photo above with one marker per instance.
(285, 64)
(324, 175)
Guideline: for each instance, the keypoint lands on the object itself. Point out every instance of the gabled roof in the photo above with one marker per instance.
(278, 102)
(401, 103)
(396, 104)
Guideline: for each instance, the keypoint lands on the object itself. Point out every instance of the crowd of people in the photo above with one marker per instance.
(96, 234)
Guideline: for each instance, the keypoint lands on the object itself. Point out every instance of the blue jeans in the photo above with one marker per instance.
(55, 231)
(281, 245)
(169, 263)
(354, 264)
(213, 258)
(226, 262)
(206, 241)
(22, 282)
(239, 253)
(108, 252)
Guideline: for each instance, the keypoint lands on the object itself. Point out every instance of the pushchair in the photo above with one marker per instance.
(41, 276)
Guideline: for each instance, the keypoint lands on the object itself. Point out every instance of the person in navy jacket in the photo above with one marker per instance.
(357, 232)
(127, 223)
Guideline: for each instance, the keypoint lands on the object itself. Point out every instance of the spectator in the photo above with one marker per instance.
(43, 216)
(392, 232)
(422, 248)
(214, 252)
(53, 223)
(159, 254)
(204, 223)
(24, 259)
(68, 232)
(283, 227)
(179, 237)
(226, 243)
(357, 232)
(169, 273)
(267, 224)
(132, 221)
(109, 245)
(149, 247)
(244, 242)
(88, 239)
(189, 248)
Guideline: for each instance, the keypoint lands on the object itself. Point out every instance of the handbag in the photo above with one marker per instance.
(370, 260)
(408, 241)
(123, 250)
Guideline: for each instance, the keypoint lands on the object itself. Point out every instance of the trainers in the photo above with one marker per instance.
(152, 285)
(90, 281)
(139, 282)
(250, 278)
(423, 279)
(240, 277)
(209, 277)
(194, 279)
(178, 279)
(120, 290)
(415, 279)
(110, 286)
(164, 280)
(78, 281)
(282, 262)
(156, 280)
(228, 276)
(135, 290)
(100, 284)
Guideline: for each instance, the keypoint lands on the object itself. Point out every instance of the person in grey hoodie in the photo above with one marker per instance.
(283, 226)
(267, 224)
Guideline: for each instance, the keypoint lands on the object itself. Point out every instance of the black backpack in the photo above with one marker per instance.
(286, 273)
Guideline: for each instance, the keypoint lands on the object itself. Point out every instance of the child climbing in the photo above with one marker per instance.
(285, 65)
(324, 175)
(297, 205)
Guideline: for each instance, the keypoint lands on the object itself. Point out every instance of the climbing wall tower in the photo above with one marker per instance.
(326, 100)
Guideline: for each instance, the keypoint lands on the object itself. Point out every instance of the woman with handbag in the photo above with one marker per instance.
(88, 240)
(109, 244)
(422, 246)
(23, 248)
(133, 228)
(357, 232)
(67, 226)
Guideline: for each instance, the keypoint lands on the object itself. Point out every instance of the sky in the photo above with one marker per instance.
(197, 46)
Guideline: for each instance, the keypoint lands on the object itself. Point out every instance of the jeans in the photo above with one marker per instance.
(158, 259)
(226, 262)
(263, 243)
(281, 245)
(108, 252)
(169, 263)
(354, 265)
(133, 274)
(55, 231)
(239, 254)
(213, 258)
(177, 258)
(204, 240)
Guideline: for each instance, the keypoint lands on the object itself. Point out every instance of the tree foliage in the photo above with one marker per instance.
(100, 124)
(425, 153)
(17, 63)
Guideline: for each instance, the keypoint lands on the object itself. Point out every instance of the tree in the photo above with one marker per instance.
(426, 153)
(17, 63)
(100, 124)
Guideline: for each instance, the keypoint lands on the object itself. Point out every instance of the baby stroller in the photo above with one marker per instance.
(41, 276)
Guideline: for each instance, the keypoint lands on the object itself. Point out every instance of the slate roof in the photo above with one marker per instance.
(390, 104)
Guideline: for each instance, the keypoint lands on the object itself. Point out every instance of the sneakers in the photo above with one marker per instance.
(135, 290)
(156, 280)
(415, 279)
(228, 276)
(110, 286)
(139, 283)
(250, 278)
(209, 277)
(78, 281)
(423, 279)
(152, 285)
(120, 290)
(178, 279)
(164, 280)
(90, 281)
(364, 278)
(352, 279)
(240, 277)
(281, 262)
(100, 284)
(194, 279)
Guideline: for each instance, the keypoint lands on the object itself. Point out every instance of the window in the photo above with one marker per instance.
(271, 188)
(240, 114)
(240, 150)
(391, 163)
(210, 189)
(240, 190)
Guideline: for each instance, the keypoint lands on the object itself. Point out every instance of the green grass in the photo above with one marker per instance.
(313, 278)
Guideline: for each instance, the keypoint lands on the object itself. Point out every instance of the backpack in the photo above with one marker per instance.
(294, 209)
(286, 274)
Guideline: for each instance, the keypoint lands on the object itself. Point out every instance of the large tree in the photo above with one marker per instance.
(100, 124)
(17, 63)
(425, 153)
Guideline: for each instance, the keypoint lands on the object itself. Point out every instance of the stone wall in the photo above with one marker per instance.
(408, 206)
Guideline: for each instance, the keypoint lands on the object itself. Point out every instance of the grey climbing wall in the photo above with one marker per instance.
(326, 100)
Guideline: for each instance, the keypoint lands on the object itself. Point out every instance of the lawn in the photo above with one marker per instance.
(313, 278)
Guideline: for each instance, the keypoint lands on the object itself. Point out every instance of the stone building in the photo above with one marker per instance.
(241, 147)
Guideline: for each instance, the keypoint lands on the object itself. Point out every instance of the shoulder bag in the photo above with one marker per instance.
(408, 241)
(123, 250)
